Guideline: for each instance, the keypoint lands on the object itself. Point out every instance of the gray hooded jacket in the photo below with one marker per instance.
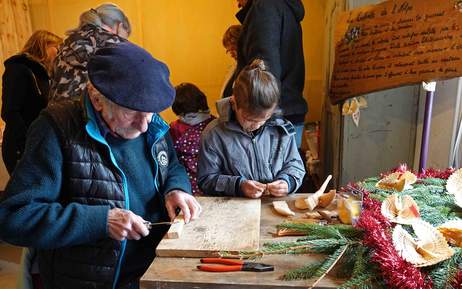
(229, 155)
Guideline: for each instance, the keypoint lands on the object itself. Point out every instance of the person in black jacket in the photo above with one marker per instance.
(271, 31)
(25, 91)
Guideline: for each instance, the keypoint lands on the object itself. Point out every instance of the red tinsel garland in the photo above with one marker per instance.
(435, 173)
(396, 272)
(427, 173)
(457, 282)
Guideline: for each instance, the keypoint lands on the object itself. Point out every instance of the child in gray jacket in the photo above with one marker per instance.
(249, 150)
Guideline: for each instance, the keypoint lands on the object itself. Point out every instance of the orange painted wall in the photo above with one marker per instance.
(186, 34)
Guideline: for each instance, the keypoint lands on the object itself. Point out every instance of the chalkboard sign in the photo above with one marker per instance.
(396, 43)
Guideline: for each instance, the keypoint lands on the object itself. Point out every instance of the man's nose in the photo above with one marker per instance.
(142, 121)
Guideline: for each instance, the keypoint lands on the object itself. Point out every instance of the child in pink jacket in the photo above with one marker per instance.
(193, 116)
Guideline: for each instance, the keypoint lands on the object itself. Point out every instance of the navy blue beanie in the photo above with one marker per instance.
(129, 76)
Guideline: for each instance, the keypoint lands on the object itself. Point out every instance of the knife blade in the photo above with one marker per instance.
(150, 225)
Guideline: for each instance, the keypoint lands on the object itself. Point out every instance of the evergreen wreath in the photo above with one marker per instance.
(364, 254)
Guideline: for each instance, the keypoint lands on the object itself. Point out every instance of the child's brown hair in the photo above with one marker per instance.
(231, 35)
(255, 88)
(189, 98)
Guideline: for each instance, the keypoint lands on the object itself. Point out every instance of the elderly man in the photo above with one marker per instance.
(94, 172)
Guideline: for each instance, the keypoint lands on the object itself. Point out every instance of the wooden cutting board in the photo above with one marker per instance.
(225, 224)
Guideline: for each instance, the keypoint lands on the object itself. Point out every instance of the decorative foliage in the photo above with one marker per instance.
(448, 271)
(427, 173)
(364, 255)
(397, 272)
(457, 281)
(437, 174)
(318, 269)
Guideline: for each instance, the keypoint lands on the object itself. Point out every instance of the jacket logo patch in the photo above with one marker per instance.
(162, 158)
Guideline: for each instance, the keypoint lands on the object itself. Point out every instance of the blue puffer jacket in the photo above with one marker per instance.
(59, 196)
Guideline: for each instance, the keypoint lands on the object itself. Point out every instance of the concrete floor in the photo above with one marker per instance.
(9, 265)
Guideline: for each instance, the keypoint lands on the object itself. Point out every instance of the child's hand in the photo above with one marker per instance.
(252, 189)
(278, 188)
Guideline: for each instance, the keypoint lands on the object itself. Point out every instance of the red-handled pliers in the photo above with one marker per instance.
(233, 265)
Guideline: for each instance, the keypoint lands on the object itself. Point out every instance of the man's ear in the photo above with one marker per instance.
(95, 97)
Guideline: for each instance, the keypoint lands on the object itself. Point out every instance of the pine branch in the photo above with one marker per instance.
(362, 262)
(324, 232)
(436, 206)
(287, 248)
(443, 273)
(362, 273)
(346, 264)
(320, 231)
(311, 246)
(316, 270)
(304, 273)
(325, 246)
(329, 264)
(367, 280)
(433, 181)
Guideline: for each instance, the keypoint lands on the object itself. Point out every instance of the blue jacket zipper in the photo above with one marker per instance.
(93, 132)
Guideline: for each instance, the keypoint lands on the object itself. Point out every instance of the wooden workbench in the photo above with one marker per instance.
(182, 273)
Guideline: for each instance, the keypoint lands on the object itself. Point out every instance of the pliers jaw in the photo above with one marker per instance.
(257, 267)
(230, 265)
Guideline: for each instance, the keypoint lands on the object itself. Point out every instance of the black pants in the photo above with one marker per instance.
(12, 150)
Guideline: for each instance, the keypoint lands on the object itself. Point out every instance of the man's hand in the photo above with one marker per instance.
(278, 188)
(188, 205)
(252, 189)
(124, 224)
